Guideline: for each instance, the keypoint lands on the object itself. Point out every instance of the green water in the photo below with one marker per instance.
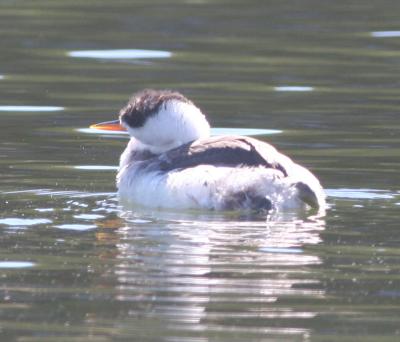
(75, 266)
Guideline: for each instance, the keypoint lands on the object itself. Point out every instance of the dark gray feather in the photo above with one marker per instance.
(222, 151)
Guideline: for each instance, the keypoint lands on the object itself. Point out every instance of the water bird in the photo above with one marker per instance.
(171, 161)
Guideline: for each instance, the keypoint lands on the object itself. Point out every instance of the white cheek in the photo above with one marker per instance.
(136, 133)
(176, 123)
(155, 132)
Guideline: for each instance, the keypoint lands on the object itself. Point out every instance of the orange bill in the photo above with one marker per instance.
(109, 126)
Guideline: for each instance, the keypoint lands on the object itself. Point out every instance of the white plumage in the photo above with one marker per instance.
(171, 162)
(209, 187)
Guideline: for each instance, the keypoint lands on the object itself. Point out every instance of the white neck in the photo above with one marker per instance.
(175, 124)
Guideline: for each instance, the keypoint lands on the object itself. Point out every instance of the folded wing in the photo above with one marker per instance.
(232, 151)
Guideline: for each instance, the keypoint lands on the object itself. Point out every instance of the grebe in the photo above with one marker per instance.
(171, 161)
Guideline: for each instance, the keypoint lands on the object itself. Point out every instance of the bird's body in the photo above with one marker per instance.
(172, 162)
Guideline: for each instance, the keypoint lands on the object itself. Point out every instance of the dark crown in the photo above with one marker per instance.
(147, 103)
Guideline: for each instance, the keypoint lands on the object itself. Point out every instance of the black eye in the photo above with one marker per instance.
(133, 118)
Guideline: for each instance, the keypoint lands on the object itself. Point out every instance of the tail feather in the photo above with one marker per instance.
(307, 195)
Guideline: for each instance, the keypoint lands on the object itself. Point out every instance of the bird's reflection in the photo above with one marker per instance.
(196, 272)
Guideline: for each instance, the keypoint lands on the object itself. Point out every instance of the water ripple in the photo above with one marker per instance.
(30, 108)
(16, 264)
(11, 221)
(120, 54)
(75, 226)
(385, 34)
(294, 88)
(360, 193)
(96, 167)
